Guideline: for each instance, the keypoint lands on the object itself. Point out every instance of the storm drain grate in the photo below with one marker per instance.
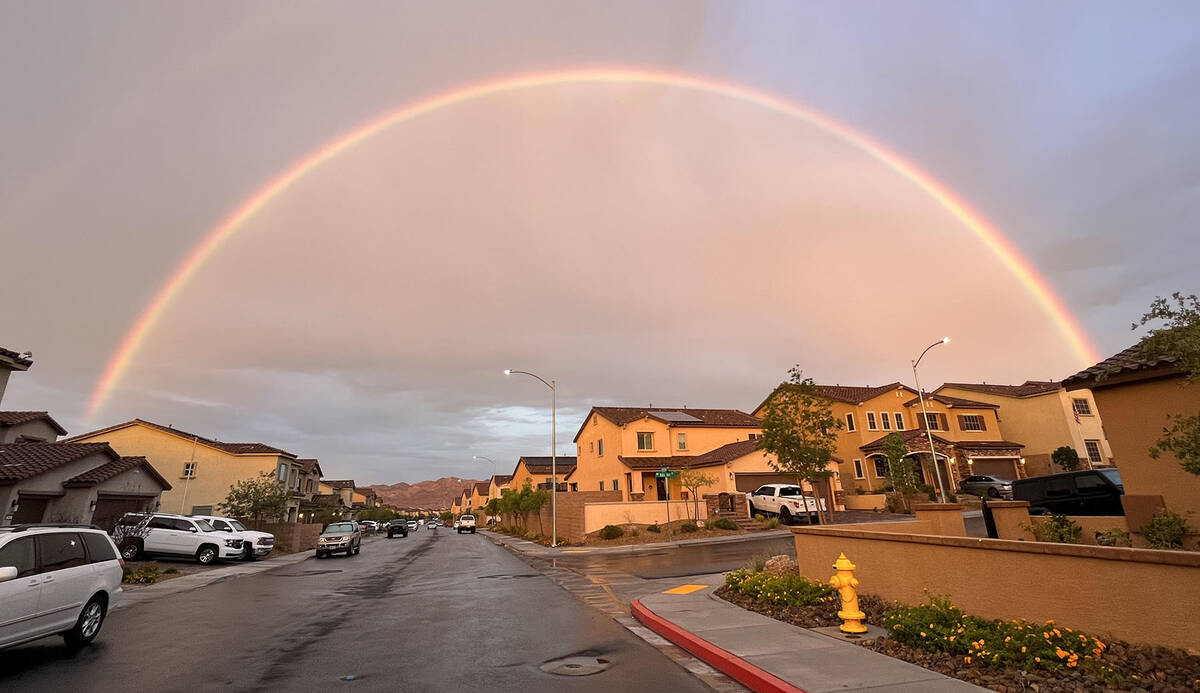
(576, 666)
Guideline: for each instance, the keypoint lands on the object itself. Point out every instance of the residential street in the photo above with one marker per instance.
(435, 611)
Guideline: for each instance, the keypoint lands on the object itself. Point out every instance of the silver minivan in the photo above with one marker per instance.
(56, 580)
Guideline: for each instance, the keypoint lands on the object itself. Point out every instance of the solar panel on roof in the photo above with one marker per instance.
(675, 416)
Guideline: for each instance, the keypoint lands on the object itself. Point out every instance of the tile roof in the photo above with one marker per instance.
(849, 394)
(106, 471)
(719, 418)
(338, 483)
(541, 465)
(721, 455)
(502, 479)
(24, 460)
(1029, 388)
(1130, 363)
(309, 465)
(481, 487)
(16, 357)
(953, 402)
(13, 418)
(917, 435)
(232, 448)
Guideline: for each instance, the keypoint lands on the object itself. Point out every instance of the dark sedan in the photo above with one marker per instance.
(395, 527)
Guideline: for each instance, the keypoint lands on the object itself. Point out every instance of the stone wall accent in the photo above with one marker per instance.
(716, 503)
(290, 537)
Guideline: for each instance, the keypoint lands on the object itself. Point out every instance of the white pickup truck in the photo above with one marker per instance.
(466, 523)
(785, 500)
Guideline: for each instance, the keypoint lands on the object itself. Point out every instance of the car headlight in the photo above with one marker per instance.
(233, 543)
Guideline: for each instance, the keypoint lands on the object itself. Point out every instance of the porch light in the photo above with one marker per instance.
(92, 505)
(1022, 460)
(970, 462)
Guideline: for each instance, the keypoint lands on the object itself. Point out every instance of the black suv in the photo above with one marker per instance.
(397, 526)
(1088, 492)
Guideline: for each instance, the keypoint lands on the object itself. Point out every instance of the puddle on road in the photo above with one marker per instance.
(581, 664)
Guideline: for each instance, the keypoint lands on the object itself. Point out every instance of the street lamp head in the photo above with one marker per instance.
(507, 371)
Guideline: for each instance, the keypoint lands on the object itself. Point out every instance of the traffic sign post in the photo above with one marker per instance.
(666, 473)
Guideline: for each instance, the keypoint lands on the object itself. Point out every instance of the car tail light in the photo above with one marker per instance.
(122, 562)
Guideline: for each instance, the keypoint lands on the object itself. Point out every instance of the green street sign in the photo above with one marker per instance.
(665, 473)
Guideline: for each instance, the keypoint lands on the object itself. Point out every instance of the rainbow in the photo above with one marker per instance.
(1008, 255)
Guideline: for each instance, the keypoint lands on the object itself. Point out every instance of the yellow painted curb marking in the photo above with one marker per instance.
(576, 550)
(685, 589)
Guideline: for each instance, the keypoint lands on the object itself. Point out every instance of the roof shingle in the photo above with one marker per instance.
(721, 455)
(233, 448)
(953, 402)
(1029, 388)
(541, 465)
(14, 418)
(25, 460)
(106, 471)
(1129, 362)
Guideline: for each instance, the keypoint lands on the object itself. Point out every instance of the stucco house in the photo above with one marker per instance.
(535, 470)
(74, 482)
(29, 427)
(12, 361)
(1137, 396)
(1044, 416)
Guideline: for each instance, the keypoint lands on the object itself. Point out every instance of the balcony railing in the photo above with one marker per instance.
(545, 486)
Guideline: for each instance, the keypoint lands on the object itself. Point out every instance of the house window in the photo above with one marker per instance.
(600, 447)
(887, 421)
(595, 420)
(629, 481)
(591, 446)
(202, 510)
(871, 424)
(615, 487)
(1082, 407)
(281, 473)
(601, 485)
(1093, 449)
(881, 466)
(849, 422)
(971, 422)
(753, 436)
(899, 416)
(858, 470)
(935, 422)
(189, 470)
(682, 438)
(645, 441)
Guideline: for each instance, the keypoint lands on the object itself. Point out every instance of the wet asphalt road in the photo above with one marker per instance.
(435, 611)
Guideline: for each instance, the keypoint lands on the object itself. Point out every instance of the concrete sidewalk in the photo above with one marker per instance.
(534, 549)
(766, 654)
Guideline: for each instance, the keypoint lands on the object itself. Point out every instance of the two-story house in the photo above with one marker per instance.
(12, 361)
(1044, 416)
(498, 484)
(535, 471)
(29, 427)
(624, 448)
(201, 470)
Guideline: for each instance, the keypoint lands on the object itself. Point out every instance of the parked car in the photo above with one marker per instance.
(1087, 492)
(412, 525)
(340, 536)
(466, 523)
(987, 485)
(255, 544)
(56, 580)
(397, 526)
(785, 500)
(178, 536)
(368, 526)
(431, 524)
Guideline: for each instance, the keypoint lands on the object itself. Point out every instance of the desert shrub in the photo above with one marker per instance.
(633, 532)
(1166, 530)
(894, 503)
(757, 562)
(760, 517)
(532, 535)
(1114, 537)
(723, 523)
(171, 571)
(654, 528)
(789, 590)
(688, 527)
(938, 626)
(1059, 529)
(145, 575)
(611, 532)
(773, 523)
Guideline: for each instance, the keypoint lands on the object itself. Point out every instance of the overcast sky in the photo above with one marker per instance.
(641, 244)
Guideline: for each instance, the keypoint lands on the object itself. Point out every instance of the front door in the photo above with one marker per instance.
(661, 488)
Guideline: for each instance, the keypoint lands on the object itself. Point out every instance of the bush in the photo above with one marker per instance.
(633, 532)
(723, 523)
(894, 503)
(760, 517)
(789, 590)
(1114, 537)
(688, 527)
(1166, 530)
(611, 532)
(773, 523)
(145, 575)
(1060, 529)
(654, 528)
(532, 535)
(940, 627)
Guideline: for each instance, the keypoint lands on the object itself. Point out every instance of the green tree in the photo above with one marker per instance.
(693, 480)
(446, 516)
(531, 501)
(1178, 338)
(257, 498)
(800, 430)
(1066, 457)
(902, 469)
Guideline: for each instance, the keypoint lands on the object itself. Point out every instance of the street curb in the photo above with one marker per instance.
(722, 660)
(547, 552)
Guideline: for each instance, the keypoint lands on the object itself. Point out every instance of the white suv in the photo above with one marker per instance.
(257, 544)
(175, 535)
(56, 580)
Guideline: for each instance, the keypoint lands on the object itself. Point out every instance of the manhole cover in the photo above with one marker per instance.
(575, 666)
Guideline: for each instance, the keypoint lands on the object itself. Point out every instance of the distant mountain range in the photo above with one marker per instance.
(423, 494)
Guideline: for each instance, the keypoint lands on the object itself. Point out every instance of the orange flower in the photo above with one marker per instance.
(1022, 648)
(967, 660)
(1037, 659)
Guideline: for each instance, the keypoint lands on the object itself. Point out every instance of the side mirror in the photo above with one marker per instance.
(193, 530)
(8, 573)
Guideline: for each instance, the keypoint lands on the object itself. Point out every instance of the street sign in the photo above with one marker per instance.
(665, 473)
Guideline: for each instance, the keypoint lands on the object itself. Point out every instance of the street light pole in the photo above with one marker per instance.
(481, 457)
(937, 472)
(553, 450)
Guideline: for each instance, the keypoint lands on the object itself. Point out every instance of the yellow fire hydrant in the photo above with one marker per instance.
(845, 583)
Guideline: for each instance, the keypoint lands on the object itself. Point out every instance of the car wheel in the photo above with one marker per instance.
(131, 549)
(785, 516)
(88, 626)
(248, 553)
(472, 530)
(459, 531)
(753, 510)
(206, 555)
(993, 492)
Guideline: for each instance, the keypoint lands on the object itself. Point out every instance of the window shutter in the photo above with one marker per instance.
(962, 422)
(942, 425)
(983, 423)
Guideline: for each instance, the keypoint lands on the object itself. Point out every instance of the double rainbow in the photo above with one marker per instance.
(1008, 255)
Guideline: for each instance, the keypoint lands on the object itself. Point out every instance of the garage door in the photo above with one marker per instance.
(1001, 468)
(109, 510)
(748, 482)
(30, 509)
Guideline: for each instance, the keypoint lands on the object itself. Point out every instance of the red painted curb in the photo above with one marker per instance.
(726, 662)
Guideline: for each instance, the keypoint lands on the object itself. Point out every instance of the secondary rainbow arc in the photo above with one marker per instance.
(979, 226)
